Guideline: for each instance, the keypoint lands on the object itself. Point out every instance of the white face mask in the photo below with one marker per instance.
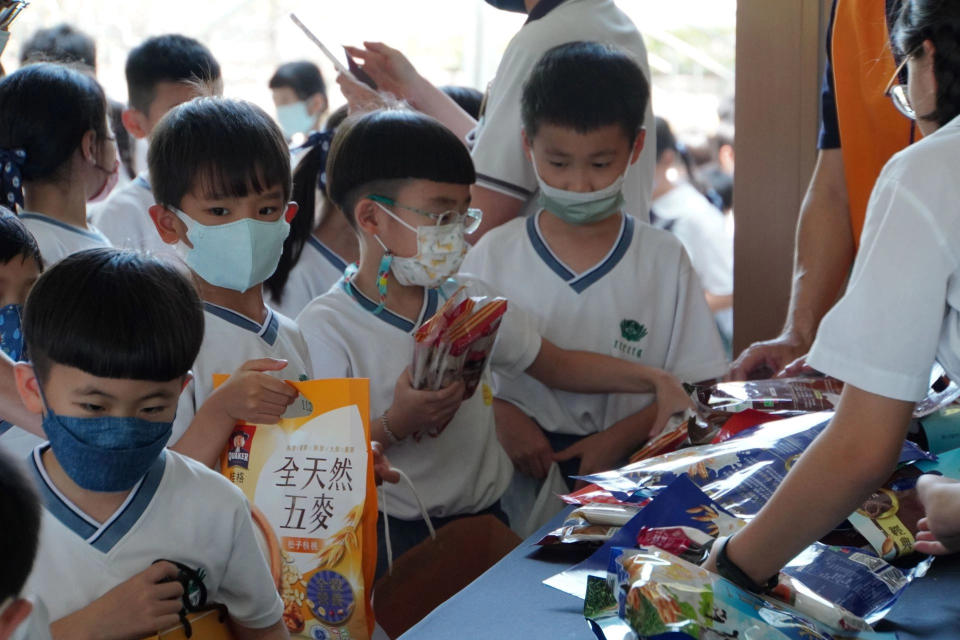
(440, 252)
(575, 207)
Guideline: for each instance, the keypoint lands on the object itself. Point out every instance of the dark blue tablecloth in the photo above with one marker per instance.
(510, 601)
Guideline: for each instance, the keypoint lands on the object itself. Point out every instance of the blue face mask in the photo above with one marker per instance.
(105, 454)
(237, 255)
(11, 336)
(294, 118)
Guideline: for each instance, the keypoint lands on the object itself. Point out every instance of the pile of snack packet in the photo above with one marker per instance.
(456, 342)
(705, 476)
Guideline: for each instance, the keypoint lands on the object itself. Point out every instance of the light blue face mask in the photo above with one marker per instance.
(236, 255)
(294, 118)
(574, 207)
(105, 453)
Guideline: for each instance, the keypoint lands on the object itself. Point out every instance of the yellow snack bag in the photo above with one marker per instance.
(310, 482)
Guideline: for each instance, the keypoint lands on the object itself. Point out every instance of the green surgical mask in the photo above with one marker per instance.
(579, 208)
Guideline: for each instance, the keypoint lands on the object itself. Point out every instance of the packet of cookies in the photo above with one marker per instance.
(310, 483)
(888, 518)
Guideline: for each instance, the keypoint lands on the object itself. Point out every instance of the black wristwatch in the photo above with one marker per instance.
(729, 570)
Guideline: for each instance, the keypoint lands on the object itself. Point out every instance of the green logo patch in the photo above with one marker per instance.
(632, 331)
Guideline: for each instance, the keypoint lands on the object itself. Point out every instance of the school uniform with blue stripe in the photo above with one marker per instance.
(318, 269)
(179, 511)
(229, 340)
(642, 303)
(58, 239)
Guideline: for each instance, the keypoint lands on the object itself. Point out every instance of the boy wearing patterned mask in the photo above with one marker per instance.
(403, 181)
(220, 172)
(594, 277)
(111, 337)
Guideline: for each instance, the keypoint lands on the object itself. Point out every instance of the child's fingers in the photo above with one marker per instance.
(380, 48)
(571, 452)
(263, 364)
(160, 571)
(923, 524)
(926, 536)
(169, 591)
(274, 385)
(356, 52)
(168, 621)
(932, 548)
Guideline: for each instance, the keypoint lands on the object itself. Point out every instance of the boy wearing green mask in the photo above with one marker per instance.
(127, 525)
(220, 172)
(593, 277)
(403, 181)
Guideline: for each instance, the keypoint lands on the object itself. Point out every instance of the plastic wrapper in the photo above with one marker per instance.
(717, 403)
(591, 524)
(740, 474)
(456, 342)
(656, 595)
(681, 430)
(888, 518)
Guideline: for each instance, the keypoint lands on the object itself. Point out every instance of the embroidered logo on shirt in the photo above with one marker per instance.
(631, 331)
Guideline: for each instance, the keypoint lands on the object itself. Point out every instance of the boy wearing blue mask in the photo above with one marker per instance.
(403, 181)
(161, 72)
(111, 336)
(220, 172)
(591, 275)
(20, 266)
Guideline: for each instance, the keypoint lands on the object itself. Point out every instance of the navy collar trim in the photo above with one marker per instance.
(338, 263)
(95, 235)
(268, 331)
(429, 308)
(102, 537)
(543, 8)
(142, 181)
(581, 282)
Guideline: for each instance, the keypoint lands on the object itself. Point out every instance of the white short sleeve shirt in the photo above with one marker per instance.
(318, 269)
(461, 469)
(57, 239)
(901, 309)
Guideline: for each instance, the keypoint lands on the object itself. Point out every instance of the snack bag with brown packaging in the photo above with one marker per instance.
(310, 483)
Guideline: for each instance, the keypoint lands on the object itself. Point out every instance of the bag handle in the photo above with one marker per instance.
(386, 517)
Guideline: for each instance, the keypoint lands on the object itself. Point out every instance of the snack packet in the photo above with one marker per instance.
(310, 483)
(660, 596)
(888, 518)
(740, 474)
(590, 524)
(718, 402)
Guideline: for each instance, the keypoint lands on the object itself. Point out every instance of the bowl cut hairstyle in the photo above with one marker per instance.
(16, 241)
(377, 152)
(114, 314)
(223, 148)
(584, 86)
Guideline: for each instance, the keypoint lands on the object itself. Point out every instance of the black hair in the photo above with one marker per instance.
(468, 98)
(167, 58)
(380, 150)
(20, 513)
(45, 109)
(306, 179)
(302, 76)
(939, 22)
(667, 141)
(585, 86)
(17, 242)
(62, 43)
(114, 314)
(220, 146)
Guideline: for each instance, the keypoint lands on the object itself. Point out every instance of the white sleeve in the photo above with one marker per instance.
(518, 343)
(498, 150)
(247, 587)
(882, 336)
(696, 351)
(711, 252)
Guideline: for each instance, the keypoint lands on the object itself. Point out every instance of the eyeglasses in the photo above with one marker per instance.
(470, 219)
(897, 92)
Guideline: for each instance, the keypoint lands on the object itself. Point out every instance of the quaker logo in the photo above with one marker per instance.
(238, 455)
(632, 331)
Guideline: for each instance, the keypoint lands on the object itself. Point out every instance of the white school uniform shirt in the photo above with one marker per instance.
(57, 239)
(318, 269)
(642, 303)
(462, 469)
(181, 511)
(124, 217)
(701, 228)
(901, 309)
(16, 441)
(229, 340)
(497, 147)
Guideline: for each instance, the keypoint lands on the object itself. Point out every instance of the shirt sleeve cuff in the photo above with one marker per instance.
(876, 380)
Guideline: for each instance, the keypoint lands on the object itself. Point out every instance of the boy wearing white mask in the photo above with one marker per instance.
(220, 173)
(403, 181)
(590, 275)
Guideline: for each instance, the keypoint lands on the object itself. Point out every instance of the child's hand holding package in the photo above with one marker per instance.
(251, 395)
(419, 410)
(672, 399)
